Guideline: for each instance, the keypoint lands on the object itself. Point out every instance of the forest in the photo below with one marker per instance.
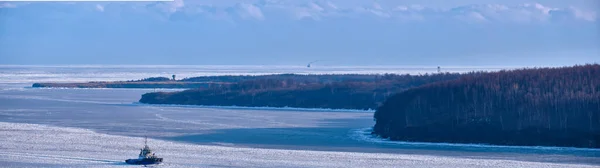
(302, 91)
(536, 106)
(299, 78)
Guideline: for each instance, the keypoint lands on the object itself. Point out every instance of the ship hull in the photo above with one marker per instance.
(144, 161)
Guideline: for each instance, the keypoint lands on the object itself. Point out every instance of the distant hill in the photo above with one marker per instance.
(302, 91)
(539, 106)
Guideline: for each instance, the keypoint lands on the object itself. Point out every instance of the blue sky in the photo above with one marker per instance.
(295, 32)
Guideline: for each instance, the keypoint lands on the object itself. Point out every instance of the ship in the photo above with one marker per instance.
(146, 157)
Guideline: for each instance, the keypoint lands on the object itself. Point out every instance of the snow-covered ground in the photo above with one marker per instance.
(32, 145)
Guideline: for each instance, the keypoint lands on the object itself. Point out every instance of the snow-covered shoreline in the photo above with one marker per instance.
(257, 108)
(364, 134)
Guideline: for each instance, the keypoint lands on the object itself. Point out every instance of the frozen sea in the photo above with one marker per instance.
(103, 127)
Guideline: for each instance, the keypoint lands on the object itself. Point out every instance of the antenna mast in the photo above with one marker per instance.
(308, 66)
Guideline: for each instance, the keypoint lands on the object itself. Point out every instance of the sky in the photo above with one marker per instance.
(295, 32)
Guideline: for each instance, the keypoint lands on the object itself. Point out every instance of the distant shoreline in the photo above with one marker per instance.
(125, 84)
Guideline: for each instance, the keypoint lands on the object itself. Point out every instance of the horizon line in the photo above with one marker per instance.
(291, 66)
(318, 65)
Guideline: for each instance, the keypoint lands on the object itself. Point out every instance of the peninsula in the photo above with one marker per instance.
(154, 82)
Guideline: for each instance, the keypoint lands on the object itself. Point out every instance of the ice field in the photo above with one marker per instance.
(103, 127)
(25, 145)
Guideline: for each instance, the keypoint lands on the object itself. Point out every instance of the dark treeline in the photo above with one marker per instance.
(541, 106)
(152, 79)
(299, 78)
(303, 91)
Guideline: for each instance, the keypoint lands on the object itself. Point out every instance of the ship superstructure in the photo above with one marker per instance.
(146, 156)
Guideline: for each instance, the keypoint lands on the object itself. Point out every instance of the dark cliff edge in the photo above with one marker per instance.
(300, 91)
(526, 107)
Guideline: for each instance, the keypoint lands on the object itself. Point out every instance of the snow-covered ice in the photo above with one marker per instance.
(32, 145)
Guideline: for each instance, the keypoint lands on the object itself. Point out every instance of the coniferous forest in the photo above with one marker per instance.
(539, 106)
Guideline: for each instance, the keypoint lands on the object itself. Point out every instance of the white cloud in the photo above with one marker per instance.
(302, 13)
(7, 5)
(542, 8)
(159, 7)
(316, 7)
(324, 9)
(477, 16)
(99, 7)
(380, 13)
(497, 7)
(417, 7)
(401, 8)
(377, 6)
(585, 15)
(250, 10)
(314, 10)
(331, 5)
(532, 12)
(525, 13)
(175, 5)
